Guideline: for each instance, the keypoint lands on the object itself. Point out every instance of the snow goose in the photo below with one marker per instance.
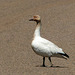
(44, 47)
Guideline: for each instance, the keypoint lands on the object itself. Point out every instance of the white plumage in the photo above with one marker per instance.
(44, 47)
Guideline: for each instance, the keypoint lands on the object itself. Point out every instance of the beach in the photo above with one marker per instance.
(16, 33)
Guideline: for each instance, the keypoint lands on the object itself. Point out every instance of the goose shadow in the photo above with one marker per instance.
(52, 66)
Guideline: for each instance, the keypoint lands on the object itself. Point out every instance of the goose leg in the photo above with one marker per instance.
(50, 61)
(43, 62)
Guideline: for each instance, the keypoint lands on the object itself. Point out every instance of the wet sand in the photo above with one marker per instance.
(16, 32)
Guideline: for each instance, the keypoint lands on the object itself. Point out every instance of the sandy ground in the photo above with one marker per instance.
(16, 32)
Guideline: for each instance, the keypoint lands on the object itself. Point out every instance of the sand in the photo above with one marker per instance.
(16, 32)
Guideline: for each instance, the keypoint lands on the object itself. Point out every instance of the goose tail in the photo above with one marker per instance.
(64, 54)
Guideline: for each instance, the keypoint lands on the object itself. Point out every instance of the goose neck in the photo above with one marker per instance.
(37, 30)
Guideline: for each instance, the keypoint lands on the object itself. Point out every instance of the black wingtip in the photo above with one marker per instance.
(64, 54)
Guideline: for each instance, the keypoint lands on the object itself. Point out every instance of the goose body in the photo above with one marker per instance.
(44, 47)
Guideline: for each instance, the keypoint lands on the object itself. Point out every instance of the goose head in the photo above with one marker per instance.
(36, 18)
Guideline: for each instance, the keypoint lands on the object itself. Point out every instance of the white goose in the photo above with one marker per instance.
(44, 47)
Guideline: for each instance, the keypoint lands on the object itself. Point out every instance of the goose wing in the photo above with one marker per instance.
(51, 47)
